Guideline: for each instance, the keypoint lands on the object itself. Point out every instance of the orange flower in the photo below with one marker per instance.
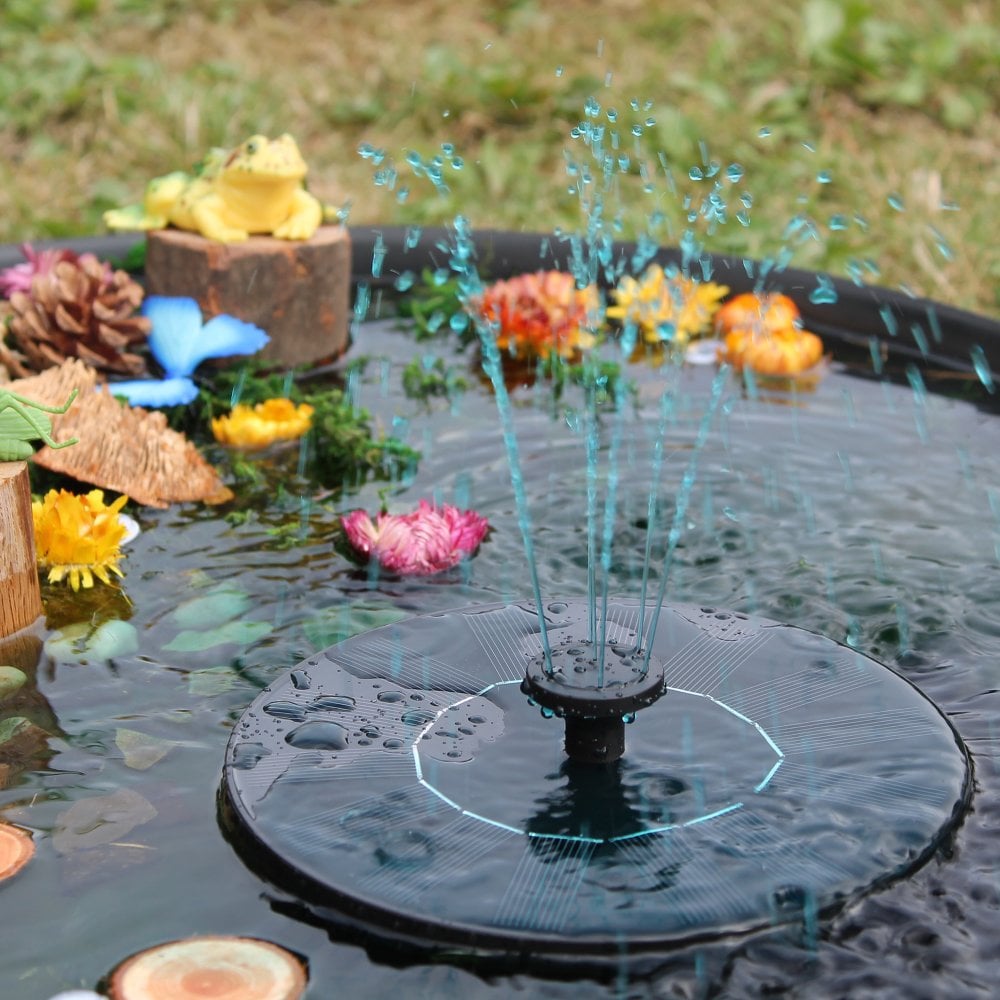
(762, 333)
(540, 314)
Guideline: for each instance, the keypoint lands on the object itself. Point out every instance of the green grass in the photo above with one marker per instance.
(895, 98)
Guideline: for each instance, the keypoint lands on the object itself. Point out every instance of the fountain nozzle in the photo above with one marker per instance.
(595, 695)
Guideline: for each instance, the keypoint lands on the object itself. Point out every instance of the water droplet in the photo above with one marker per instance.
(248, 755)
(763, 132)
(300, 680)
(592, 107)
(734, 172)
(333, 703)
(418, 717)
(824, 177)
(982, 366)
(286, 710)
(824, 293)
(404, 849)
(559, 71)
(390, 696)
(696, 173)
(612, 115)
(896, 201)
(637, 130)
(790, 897)
(318, 735)
(628, 718)
(393, 744)
(838, 222)
(404, 282)
(547, 713)
(458, 322)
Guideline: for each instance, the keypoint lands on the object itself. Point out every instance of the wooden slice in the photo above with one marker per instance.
(210, 968)
(20, 597)
(16, 850)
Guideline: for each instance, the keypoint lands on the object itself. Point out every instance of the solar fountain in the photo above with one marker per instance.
(710, 771)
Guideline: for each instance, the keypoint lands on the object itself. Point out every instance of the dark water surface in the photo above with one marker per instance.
(864, 512)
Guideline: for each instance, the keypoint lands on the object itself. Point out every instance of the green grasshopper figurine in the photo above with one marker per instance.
(22, 420)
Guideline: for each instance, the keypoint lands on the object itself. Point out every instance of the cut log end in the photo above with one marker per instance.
(16, 850)
(220, 968)
(20, 595)
(297, 292)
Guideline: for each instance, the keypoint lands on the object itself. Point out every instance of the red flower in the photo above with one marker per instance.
(538, 314)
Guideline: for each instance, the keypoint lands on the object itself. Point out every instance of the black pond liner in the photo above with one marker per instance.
(856, 318)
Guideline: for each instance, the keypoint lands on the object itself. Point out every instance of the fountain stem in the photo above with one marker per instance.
(594, 689)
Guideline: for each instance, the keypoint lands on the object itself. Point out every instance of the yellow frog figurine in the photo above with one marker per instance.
(255, 188)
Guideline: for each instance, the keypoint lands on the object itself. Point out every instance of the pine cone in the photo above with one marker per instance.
(79, 310)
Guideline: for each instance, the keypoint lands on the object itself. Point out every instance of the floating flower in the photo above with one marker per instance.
(539, 314)
(78, 537)
(763, 333)
(263, 424)
(760, 314)
(180, 342)
(426, 541)
(666, 307)
(18, 278)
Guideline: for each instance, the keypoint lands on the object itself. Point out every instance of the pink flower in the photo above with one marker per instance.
(18, 278)
(427, 541)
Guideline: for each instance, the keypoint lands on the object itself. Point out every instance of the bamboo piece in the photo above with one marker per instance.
(210, 968)
(20, 595)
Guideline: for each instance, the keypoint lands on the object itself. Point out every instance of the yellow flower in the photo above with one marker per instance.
(665, 308)
(261, 425)
(78, 537)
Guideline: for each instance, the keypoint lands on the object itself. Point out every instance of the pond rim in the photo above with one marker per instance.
(856, 318)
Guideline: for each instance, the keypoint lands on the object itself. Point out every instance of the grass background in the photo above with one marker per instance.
(883, 117)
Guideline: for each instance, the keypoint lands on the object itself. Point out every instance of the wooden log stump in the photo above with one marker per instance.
(20, 594)
(298, 292)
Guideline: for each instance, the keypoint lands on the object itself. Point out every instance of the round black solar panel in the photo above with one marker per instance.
(402, 780)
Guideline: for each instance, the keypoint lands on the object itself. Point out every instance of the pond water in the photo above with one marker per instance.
(865, 511)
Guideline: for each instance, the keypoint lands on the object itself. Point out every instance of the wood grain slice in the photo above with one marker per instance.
(16, 850)
(210, 968)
